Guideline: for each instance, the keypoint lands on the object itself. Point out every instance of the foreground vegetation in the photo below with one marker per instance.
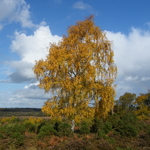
(117, 132)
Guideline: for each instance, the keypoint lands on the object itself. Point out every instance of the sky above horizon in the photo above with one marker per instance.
(27, 28)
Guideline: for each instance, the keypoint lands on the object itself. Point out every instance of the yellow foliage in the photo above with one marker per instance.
(33, 120)
(7, 119)
(143, 110)
(78, 69)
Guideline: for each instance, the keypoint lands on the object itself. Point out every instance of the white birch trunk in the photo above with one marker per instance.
(73, 126)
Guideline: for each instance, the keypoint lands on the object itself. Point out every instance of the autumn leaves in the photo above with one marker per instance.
(79, 69)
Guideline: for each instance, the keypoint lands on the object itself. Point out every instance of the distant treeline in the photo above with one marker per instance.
(20, 112)
(20, 109)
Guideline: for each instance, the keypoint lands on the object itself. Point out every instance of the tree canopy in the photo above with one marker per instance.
(126, 100)
(143, 106)
(79, 70)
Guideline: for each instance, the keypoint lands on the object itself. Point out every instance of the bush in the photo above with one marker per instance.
(1, 136)
(15, 132)
(10, 120)
(30, 127)
(9, 129)
(18, 138)
(85, 128)
(63, 128)
(107, 127)
(100, 126)
(97, 124)
(113, 119)
(125, 125)
(101, 134)
(127, 129)
(47, 130)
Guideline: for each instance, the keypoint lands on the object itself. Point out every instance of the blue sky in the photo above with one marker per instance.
(28, 26)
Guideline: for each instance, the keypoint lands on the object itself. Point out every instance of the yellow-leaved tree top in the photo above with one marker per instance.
(143, 106)
(79, 70)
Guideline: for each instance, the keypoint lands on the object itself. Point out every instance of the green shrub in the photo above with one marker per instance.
(85, 128)
(1, 136)
(39, 125)
(30, 127)
(107, 127)
(63, 128)
(18, 128)
(113, 119)
(126, 124)
(47, 130)
(97, 124)
(101, 134)
(127, 129)
(18, 138)
(9, 129)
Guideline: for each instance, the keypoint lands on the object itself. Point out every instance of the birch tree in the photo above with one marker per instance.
(79, 69)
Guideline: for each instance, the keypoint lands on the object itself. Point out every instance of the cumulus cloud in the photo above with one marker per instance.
(131, 51)
(132, 59)
(15, 11)
(30, 48)
(82, 6)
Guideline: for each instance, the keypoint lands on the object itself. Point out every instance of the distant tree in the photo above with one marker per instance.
(79, 69)
(126, 101)
(143, 106)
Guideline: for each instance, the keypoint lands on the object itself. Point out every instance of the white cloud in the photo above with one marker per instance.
(130, 78)
(131, 52)
(15, 11)
(32, 85)
(30, 48)
(82, 6)
(33, 47)
(145, 79)
(131, 55)
(28, 97)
